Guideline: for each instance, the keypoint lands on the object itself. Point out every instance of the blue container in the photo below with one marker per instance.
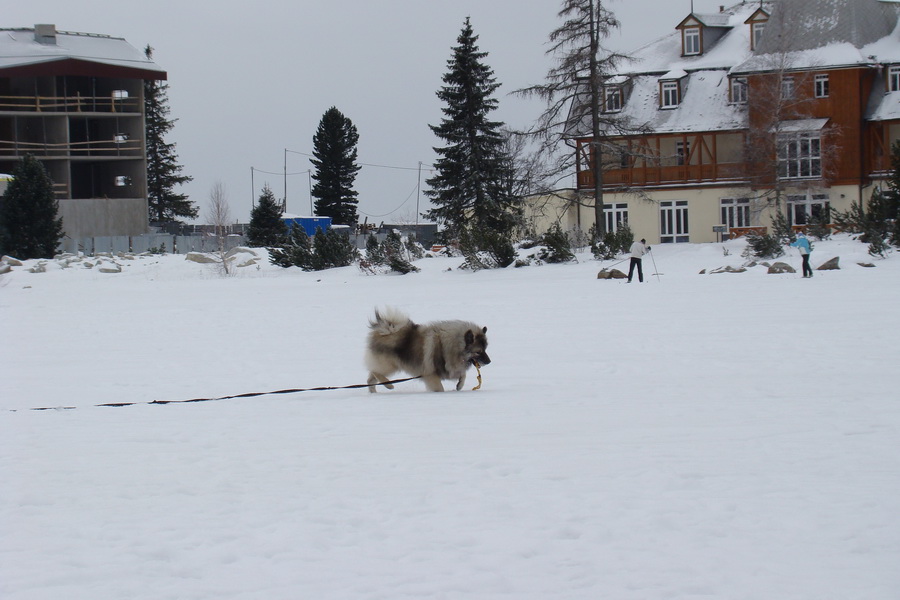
(309, 224)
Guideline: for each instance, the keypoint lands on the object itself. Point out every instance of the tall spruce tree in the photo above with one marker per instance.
(29, 224)
(267, 228)
(163, 170)
(334, 152)
(470, 188)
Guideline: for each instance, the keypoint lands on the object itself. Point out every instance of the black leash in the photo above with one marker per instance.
(247, 395)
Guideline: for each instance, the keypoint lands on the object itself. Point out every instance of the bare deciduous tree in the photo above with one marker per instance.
(219, 216)
(781, 97)
(573, 91)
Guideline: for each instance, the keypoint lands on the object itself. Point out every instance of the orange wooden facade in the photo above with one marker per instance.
(857, 150)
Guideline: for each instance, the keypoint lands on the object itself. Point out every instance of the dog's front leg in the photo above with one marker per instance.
(461, 382)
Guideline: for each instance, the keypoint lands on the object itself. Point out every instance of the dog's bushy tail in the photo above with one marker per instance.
(388, 320)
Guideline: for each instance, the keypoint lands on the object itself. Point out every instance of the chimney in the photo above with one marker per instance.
(45, 34)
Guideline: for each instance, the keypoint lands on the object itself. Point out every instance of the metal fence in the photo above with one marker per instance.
(151, 242)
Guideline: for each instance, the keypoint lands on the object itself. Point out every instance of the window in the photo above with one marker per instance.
(735, 212)
(739, 90)
(756, 34)
(682, 153)
(805, 208)
(613, 96)
(669, 93)
(673, 222)
(616, 215)
(787, 88)
(821, 85)
(800, 155)
(691, 40)
(894, 79)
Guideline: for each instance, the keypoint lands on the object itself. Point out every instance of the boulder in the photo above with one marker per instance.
(198, 257)
(611, 274)
(728, 269)
(240, 250)
(110, 268)
(5, 268)
(830, 265)
(781, 267)
(15, 262)
(866, 265)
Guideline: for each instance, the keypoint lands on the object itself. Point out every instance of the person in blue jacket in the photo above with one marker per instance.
(802, 244)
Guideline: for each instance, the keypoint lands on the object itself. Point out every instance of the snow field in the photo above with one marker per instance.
(723, 436)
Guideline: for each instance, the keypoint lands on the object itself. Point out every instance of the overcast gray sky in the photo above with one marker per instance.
(251, 79)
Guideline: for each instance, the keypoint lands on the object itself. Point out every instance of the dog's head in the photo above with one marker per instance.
(476, 347)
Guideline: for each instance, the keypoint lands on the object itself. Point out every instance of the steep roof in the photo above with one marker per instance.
(64, 52)
(841, 33)
(664, 54)
(808, 34)
(810, 24)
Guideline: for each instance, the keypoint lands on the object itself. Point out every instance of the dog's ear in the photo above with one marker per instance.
(470, 337)
(484, 330)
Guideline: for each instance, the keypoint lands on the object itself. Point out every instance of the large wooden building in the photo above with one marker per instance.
(76, 102)
(789, 105)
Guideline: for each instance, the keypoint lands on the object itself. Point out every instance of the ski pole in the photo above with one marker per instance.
(655, 270)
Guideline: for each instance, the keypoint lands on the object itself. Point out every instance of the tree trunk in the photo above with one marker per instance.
(597, 151)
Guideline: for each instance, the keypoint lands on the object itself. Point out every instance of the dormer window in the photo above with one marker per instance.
(756, 34)
(739, 90)
(757, 23)
(894, 79)
(612, 99)
(669, 94)
(671, 89)
(691, 40)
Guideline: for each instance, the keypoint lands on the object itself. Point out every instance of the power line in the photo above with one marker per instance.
(431, 167)
(396, 209)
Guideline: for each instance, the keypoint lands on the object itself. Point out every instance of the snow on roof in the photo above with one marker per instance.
(809, 24)
(795, 125)
(885, 107)
(833, 33)
(664, 54)
(704, 78)
(714, 19)
(18, 47)
(714, 113)
(673, 74)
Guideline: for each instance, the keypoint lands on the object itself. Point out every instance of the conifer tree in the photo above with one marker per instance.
(334, 152)
(29, 224)
(470, 188)
(163, 170)
(267, 228)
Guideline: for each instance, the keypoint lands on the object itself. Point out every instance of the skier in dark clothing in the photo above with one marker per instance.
(638, 250)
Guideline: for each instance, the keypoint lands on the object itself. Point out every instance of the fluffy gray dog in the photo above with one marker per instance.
(433, 351)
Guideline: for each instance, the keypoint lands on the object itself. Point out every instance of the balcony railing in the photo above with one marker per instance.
(682, 174)
(98, 148)
(91, 104)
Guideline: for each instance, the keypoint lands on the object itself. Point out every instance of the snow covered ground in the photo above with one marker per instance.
(697, 436)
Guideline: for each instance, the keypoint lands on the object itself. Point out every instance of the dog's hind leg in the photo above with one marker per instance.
(375, 378)
(433, 383)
